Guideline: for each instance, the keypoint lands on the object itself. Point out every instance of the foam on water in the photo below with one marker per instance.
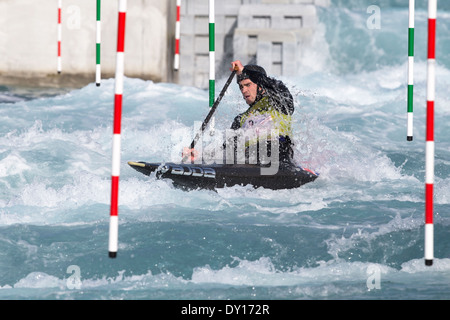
(362, 217)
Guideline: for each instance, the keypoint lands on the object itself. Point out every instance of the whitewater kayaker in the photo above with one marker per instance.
(271, 106)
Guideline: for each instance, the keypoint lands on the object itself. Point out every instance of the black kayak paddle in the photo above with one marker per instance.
(211, 112)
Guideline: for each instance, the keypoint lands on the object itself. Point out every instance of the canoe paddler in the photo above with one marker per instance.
(271, 106)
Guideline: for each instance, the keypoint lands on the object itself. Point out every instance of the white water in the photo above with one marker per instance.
(362, 217)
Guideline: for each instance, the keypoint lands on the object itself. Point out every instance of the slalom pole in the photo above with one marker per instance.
(176, 62)
(114, 219)
(410, 70)
(212, 56)
(59, 37)
(429, 166)
(98, 74)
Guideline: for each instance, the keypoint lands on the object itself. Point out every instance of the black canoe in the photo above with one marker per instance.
(211, 176)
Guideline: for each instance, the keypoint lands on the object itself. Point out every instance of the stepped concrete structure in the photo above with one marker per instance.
(271, 33)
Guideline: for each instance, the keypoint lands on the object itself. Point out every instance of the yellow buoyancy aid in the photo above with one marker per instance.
(263, 119)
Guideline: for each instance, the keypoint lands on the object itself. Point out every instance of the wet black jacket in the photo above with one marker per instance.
(276, 102)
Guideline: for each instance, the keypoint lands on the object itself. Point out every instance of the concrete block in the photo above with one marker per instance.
(277, 16)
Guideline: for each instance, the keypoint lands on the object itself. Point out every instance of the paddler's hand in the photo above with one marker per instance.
(189, 154)
(237, 65)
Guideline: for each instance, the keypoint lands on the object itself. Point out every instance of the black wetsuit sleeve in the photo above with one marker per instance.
(281, 97)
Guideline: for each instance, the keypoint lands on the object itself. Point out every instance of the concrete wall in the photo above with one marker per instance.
(265, 30)
(28, 41)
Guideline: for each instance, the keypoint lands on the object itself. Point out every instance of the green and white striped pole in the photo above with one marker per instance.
(212, 63)
(410, 70)
(97, 48)
(212, 57)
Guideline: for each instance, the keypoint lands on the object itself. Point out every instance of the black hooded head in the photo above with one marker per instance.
(250, 71)
(257, 75)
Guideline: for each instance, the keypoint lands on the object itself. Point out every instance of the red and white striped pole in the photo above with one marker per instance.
(176, 63)
(429, 157)
(114, 219)
(59, 36)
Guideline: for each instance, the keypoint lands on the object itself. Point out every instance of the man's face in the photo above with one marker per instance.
(248, 90)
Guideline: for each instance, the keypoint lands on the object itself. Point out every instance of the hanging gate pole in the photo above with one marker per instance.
(98, 76)
(410, 70)
(59, 37)
(429, 166)
(212, 55)
(114, 219)
(176, 62)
